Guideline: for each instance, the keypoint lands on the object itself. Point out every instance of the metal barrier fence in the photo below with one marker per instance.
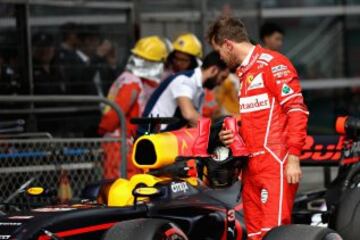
(65, 166)
(75, 99)
(62, 165)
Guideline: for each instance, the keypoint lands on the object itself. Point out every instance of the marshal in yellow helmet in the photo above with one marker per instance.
(188, 43)
(151, 48)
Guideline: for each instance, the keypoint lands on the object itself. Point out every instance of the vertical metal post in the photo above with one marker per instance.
(345, 48)
(22, 14)
(135, 21)
(259, 17)
(133, 16)
(24, 47)
(203, 19)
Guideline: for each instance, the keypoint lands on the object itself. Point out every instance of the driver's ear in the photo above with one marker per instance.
(228, 45)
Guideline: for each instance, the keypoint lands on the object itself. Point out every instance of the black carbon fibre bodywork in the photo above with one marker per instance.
(202, 213)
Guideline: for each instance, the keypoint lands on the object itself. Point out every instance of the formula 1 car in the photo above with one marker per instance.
(173, 199)
(337, 206)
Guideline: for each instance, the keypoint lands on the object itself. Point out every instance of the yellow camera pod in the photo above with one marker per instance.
(155, 151)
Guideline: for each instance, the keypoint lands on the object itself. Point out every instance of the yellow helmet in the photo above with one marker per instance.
(188, 43)
(151, 48)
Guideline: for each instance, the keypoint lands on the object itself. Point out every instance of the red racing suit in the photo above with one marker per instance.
(130, 93)
(273, 125)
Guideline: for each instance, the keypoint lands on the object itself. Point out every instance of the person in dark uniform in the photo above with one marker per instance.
(66, 58)
(47, 77)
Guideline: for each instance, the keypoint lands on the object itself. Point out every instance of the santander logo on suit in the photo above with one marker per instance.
(254, 103)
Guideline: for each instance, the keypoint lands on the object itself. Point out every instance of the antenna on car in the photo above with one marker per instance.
(149, 125)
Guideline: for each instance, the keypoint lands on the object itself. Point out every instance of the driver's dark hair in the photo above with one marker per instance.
(229, 28)
(213, 59)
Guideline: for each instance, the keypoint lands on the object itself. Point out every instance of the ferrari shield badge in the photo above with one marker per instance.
(249, 79)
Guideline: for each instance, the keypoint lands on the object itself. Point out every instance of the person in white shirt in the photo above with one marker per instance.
(181, 95)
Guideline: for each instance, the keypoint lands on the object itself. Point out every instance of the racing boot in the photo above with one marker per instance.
(201, 143)
(238, 147)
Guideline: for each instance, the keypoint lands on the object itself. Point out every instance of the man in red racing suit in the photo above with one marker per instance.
(273, 126)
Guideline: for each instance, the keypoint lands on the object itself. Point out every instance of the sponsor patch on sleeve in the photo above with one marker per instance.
(281, 81)
(286, 90)
(282, 73)
(278, 68)
(266, 57)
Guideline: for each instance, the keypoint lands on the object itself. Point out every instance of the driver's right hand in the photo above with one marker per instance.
(226, 136)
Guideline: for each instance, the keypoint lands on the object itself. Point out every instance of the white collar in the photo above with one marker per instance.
(198, 77)
(83, 56)
(247, 58)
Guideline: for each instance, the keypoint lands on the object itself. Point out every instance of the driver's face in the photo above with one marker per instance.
(226, 54)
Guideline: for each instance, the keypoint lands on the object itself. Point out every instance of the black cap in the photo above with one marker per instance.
(87, 31)
(42, 39)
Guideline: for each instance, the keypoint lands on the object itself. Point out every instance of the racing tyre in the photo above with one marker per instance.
(145, 229)
(301, 232)
(346, 219)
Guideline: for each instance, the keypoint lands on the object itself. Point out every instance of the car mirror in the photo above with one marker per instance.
(146, 192)
(35, 191)
(40, 191)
